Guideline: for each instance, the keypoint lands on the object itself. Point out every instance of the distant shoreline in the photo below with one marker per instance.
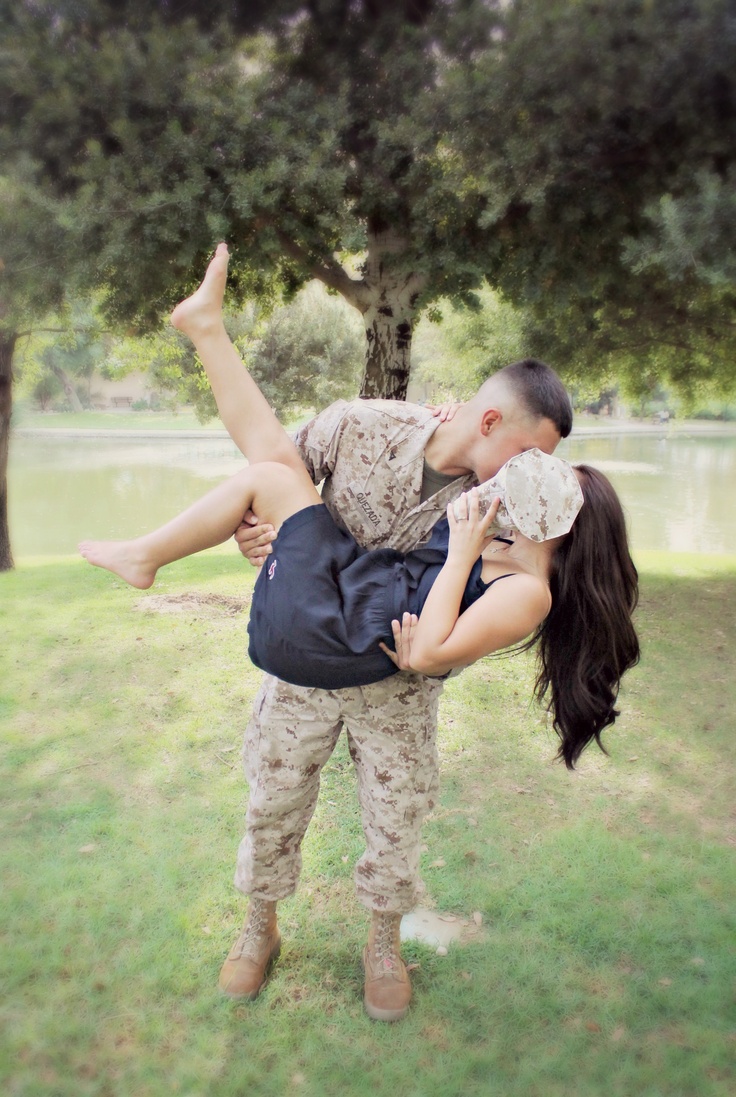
(583, 428)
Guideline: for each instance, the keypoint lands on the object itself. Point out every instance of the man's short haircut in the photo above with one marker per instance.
(540, 392)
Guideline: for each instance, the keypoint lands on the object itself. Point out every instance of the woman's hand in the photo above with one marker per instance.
(403, 635)
(444, 412)
(468, 531)
(254, 539)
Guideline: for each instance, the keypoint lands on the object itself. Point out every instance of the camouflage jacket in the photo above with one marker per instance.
(369, 454)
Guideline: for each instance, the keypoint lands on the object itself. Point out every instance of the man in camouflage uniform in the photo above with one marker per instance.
(388, 471)
(373, 458)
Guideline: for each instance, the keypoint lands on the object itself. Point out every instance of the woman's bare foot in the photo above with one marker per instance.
(123, 558)
(202, 312)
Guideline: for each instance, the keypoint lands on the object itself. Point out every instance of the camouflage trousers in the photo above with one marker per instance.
(391, 729)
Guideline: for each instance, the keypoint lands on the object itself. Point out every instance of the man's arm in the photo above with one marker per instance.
(317, 443)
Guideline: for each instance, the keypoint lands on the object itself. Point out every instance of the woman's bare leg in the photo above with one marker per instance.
(244, 410)
(274, 490)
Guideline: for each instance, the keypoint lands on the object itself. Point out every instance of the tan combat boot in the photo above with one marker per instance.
(244, 972)
(387, 986)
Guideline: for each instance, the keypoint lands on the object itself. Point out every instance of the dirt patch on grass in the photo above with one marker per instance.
(211, 605)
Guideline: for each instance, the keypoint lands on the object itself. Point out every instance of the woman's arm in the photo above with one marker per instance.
(506, 613)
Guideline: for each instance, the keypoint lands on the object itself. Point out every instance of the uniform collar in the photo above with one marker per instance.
(411, 448)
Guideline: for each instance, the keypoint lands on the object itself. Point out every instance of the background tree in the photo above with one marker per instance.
(33, 260)
(397, 150)
(308, 353)
(304, 354)
(613, 282)
(457, 347)
(44, 390)
(438, 144)
(72, 359)
(685, 335)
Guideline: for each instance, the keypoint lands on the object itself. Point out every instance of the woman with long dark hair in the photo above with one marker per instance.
(587, 640)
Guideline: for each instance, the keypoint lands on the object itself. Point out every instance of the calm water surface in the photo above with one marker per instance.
(678, 491)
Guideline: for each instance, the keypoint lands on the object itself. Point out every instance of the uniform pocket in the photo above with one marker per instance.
(358, 512)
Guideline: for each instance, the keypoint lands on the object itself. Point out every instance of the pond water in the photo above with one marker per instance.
(678, 490)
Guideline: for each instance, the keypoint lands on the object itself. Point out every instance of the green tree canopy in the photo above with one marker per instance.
(399, 150)
(304, 354)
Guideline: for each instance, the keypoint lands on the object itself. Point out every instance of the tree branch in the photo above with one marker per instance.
(328, 271)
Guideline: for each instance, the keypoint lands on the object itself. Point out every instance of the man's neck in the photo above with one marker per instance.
(441, 454)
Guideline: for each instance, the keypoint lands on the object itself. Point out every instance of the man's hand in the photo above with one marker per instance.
(403, 634)
(254, 539)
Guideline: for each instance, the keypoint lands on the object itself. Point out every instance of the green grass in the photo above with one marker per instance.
(607, 962)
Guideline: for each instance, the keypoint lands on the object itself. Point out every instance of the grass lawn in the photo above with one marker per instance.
(606, 962)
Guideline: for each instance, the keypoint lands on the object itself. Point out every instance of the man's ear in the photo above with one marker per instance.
(490, 418)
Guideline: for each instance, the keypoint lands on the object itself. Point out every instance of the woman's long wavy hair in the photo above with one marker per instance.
(588, 641)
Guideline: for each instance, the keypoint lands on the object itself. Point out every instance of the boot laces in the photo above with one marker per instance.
(251, 940)
(385, 942)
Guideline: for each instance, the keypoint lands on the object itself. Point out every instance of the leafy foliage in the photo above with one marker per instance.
(388, 147)
(455, 353)
(34, 251)
(309, 353)
(692, 234)
(304, 354)
(683, 336)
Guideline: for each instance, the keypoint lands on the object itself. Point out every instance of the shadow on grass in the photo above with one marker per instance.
(606, 895)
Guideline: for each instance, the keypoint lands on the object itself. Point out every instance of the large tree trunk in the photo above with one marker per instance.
(389, 324)
(7, 346)
(387, 295)
(389, 312)
(68, 386)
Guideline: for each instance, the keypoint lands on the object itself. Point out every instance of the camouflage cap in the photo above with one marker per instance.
(540, 495)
